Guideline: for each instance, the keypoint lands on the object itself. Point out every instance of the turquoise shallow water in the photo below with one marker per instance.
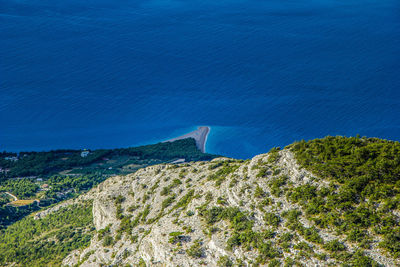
(91, 74)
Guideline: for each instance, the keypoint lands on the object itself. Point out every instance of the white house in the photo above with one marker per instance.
(85, 153)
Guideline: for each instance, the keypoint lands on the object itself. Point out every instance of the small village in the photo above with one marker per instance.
(40, 183)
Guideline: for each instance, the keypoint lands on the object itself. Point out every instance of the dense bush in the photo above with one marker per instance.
(334, 246)
(10, 214)
(45, 242)
(272, 219)
(52, 162)
(60, 187)
(44, 163)
(22, 188)
(108, 241)
(364, 174)
(224, 261)
(185, 148)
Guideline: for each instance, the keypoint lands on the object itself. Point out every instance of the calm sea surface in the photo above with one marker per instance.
(261, 73)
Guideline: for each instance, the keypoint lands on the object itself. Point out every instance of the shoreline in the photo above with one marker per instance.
(200, 136)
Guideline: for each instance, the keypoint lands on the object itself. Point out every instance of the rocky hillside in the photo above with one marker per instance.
(265, 211)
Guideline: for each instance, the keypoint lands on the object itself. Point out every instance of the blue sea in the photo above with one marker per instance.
(260, 73)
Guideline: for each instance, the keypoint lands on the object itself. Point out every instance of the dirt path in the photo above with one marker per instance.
(11, 195)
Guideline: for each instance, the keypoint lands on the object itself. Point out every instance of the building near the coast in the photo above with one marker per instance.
(85, 153)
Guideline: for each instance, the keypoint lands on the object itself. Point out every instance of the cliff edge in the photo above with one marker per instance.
(223, 213)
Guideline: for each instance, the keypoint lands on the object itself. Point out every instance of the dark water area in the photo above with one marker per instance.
(117, 73)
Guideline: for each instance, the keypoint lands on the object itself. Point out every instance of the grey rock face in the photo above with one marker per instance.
(154, 216)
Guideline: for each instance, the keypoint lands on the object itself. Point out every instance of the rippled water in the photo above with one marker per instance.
(113, 73)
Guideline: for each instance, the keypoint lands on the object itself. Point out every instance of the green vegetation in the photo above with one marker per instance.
(45, 242)
(243, 235)
(22, 188)
(272, 219)
(225, 168)
(63, 174)
(185, 200)
(45, 163)
(146, 212)
(364, 190)
(259, 192)
(9, 214)
(168, 201)
(276, 185)
(355, 196)
(119, 199)
(58, 188)
(175, 237)
(195, 251)
(274, 263)
(168, 189)
(185, 148)
(224, 261)
(108, 241)
(273, 155)
(104, 161)
(334, 246)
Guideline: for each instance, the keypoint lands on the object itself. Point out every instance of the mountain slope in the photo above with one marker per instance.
(264, 211)
(47, 241)
(325, 202)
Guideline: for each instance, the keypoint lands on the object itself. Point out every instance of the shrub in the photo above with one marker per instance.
(185, 200)
(274, 263)
(108, 241)
(311, 234)
(146, 212)
(392, 243)
(224, 261)
(221, 201)
(303, 246)
(209, 196)
(356, 235)
(119, 199)
(190, 213)
(277, 184)
(195, 251)
(273, 155)
(286, 237)
(233, 182)
(334, 246)
(359, 259)
(165, 191)
(272, 219)
(175, 237)
(259, 192)
(168, 201)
